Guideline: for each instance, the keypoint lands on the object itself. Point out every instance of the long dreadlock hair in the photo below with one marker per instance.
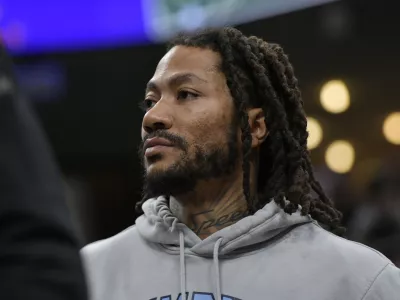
(259, 74)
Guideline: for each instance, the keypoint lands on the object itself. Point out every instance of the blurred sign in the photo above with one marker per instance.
(164, 19)
(48, 25)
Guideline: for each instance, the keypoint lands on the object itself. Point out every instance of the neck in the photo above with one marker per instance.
(213, 206)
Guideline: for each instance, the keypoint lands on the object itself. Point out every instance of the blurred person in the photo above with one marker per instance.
(231, 208)
(39, 254)
(376, 222)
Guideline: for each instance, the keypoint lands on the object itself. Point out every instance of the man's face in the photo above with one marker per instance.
(189, 132)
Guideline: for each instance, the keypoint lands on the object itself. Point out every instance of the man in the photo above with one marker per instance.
(229, 211)
(39, 254)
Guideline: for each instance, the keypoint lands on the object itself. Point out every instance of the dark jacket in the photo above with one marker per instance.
(39, 255)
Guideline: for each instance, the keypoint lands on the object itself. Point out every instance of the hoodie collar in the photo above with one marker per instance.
(159, 225)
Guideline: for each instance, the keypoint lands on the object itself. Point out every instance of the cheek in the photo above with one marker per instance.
(210, 129)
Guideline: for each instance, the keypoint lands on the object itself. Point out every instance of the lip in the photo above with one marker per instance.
(154, 144)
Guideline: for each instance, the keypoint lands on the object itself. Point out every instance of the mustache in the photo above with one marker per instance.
(176, 140)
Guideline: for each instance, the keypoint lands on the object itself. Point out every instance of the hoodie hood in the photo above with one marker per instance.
(159, 225)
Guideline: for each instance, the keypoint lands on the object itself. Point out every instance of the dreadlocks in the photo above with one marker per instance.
(259, 74)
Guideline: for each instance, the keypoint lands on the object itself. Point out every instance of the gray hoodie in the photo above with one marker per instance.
(269, 255)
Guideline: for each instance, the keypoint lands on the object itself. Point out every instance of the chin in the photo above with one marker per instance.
(158, 166)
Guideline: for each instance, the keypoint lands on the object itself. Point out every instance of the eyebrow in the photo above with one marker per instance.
(175, 80)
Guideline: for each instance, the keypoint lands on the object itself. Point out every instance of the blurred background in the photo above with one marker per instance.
(84, 65)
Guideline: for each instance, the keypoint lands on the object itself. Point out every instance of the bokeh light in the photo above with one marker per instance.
(391, 128)
(340, 156)
(315, 133)
(335, 97)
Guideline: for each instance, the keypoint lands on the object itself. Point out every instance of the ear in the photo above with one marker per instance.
(258, 128)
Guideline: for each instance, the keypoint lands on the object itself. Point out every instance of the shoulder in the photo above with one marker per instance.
(343, 257)
(109, 262)
(352, 267)
(106, 261)
(342, 248)
(119, 245)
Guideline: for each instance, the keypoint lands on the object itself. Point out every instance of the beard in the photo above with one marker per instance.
(204, 164)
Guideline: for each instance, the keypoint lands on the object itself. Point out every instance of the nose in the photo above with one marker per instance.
(157, 118)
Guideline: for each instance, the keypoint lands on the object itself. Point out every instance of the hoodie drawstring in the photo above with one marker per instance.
(183, 267)
(216, 266)
(183, 271)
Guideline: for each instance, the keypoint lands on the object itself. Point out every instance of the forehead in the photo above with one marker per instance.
(189, 60)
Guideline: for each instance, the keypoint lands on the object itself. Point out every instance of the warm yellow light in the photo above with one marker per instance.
(340, 156)
(315, 133)
(391, 128)
(335, 97)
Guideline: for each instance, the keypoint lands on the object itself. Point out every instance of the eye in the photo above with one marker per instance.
(146, 105)
(186, 95)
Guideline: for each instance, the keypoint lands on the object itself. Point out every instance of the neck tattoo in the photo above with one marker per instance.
(205, 223)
